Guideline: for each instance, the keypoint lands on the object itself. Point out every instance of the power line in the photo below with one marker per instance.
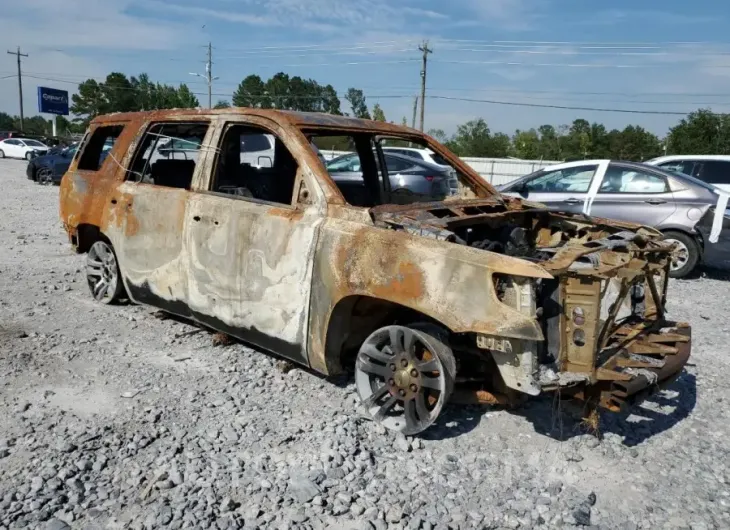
(564, 107)
(328, 53)
(319, 46)
(566, 65)
(406, 96)
(20, 83)
(66, 78)
(591, 43)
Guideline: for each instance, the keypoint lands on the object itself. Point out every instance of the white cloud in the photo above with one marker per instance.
(516, 15)
(63, 39)
(317, 16)
(97, 24)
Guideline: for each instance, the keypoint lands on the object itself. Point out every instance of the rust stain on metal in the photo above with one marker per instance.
(286, 213)
(406, 283)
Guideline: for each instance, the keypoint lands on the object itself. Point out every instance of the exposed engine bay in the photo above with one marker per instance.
(605, 338)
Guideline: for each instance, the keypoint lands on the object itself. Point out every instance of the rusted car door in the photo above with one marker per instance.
(148, 214)
(251, 241)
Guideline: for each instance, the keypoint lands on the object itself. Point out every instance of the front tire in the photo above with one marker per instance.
(686, 255)
(29, 156)
(44, 176)
(405, 376)
(102, 273)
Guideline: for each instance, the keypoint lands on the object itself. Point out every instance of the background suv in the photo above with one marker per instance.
(418, 154)
(712, 169)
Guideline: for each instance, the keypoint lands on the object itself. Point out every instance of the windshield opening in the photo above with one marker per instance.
(372, 170)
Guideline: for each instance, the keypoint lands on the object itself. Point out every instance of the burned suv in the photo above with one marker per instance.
(421, 295)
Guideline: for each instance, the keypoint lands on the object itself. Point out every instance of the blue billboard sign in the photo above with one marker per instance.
(52, 101)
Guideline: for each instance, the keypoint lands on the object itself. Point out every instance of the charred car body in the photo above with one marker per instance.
(496, 295)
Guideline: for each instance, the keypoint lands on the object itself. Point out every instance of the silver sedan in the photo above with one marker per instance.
(681, 206)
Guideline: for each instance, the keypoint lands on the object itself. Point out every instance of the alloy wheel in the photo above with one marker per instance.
(404, 377)
(102, 273)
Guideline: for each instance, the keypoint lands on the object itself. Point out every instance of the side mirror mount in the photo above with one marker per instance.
(522, 189)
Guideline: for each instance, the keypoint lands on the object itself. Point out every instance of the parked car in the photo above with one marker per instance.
(50, 168)
(419, 154)
(494, 292)
(22, 148)
(408, 177)
(712, 169)
(680, 206)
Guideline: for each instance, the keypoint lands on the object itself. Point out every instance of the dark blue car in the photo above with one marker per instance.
(50, 168)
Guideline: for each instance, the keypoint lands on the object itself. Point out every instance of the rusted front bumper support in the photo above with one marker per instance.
(650, 359)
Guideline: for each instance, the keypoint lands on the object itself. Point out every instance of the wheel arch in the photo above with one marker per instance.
(354, 318)
(696, 236)
(86, 235)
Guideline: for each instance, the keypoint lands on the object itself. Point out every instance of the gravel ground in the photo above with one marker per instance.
(116, 417)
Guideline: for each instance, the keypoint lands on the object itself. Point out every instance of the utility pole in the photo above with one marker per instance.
(415, 109)
(208, 75)
(426, 50)
(20, 84)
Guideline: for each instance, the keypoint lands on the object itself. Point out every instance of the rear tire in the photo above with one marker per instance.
(686, 255)
(2, 153)
(102, 273)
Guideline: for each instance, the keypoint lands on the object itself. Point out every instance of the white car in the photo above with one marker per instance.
(419, 154)
(22, 148)
(712, 169)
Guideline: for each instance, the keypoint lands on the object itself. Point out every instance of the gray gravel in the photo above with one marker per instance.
(111, 417)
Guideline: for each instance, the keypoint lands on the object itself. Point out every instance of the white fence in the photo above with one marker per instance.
(494, 170)
(503, 170)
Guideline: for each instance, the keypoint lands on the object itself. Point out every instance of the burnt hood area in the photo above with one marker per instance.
(510, 228)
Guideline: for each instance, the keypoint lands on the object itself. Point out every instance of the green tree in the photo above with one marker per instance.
(118, 93)
(88, 102)
(144, 91)
(526, 144)
(251, 92)
(700, 133)
(277, 88)
(356, 98)
(472, 139)
(222, 104)
(378, 114)
(330, 100)
(35, 125)
(638, 144)
(64, 126)
(550, 143)
(439, 135)
(6, 122)
(186, 99)
(500, 145)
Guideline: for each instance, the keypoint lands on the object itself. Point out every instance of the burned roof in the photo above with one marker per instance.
(302, 120)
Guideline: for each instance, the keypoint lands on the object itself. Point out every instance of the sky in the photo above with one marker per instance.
(665, 57)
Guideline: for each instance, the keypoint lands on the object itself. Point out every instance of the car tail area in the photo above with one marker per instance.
(606, 339)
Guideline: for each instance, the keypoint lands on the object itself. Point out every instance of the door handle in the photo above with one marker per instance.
(655, 201)
(571, 201)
